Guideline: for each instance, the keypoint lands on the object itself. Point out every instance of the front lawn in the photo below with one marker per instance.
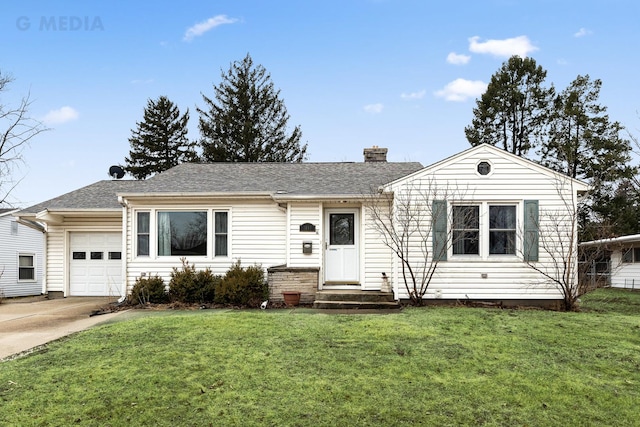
(427, 366)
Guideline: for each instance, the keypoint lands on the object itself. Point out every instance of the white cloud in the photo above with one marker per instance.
(202, 27)
(61, 115)
(582, 32)
(460, 89)
(520, 46)
(413, 95)
(373, 108)
(458, 59)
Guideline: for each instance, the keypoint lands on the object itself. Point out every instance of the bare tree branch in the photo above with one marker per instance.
(19, 129)
(404, 220)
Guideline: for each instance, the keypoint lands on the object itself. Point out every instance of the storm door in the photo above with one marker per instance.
(342, 263)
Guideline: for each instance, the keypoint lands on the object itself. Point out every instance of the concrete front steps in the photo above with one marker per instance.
(355, 300)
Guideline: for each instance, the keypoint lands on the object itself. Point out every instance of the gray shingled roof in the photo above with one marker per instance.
(101, 195)
(324, 179)
(317, 179)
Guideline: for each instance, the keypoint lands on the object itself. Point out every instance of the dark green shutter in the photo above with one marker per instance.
(439, 240)
(531, 239)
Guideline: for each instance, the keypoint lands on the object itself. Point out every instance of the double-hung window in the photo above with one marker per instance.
(502, 230)
(142, 230)
(466, 230)
(484, 230)
(221, 233)
(26, 268)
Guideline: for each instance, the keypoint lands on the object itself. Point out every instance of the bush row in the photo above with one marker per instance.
(238, 287)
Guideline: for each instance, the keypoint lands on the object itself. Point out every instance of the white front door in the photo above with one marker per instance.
(342, 261)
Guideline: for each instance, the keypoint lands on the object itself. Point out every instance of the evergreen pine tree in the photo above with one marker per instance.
(246, 121)
(513, 111)
(160, 141)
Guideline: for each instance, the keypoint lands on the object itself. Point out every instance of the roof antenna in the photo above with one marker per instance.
(116, 172)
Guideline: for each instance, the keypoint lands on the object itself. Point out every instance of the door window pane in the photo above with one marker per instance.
(341, 229)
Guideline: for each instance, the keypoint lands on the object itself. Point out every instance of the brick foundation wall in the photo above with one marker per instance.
(300, 279)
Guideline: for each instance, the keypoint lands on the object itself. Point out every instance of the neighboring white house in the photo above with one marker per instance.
(301, 218)
(21, 257)
(624, 259)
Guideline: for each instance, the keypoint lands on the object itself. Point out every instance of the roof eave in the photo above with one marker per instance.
(198, 195)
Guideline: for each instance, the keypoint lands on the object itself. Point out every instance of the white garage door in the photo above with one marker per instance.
(95, 264)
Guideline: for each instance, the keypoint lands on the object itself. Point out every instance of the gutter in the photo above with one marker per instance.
(31, 224)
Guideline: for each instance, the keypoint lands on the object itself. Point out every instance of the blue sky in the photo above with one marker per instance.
(401, 74)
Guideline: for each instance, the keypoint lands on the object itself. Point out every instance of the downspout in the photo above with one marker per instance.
(125, 255)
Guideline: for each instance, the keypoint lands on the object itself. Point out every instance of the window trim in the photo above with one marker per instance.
(136, 233)
(153, 232)
(32, 267)
(465, 229)
(215, 235)
(484, 244)
(208, 226)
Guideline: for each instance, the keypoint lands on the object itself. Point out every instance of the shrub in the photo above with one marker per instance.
(190, 286)
(148, 290)
(206, 283)
(242, 286)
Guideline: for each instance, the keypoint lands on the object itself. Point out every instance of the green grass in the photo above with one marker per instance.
(428, 366)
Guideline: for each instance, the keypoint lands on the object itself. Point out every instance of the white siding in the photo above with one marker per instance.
(257, 235)
(377, 257)
(624, 275)
(301, 213)
(27, 241)
(510, 181)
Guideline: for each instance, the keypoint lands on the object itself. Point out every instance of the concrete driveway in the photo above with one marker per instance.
(26, 323)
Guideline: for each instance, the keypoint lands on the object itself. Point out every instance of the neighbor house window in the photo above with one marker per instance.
(143, 233)
(631, 255)
(502, 230)
(26, 267)
(221, 234)
(466, 230)
(182, 233)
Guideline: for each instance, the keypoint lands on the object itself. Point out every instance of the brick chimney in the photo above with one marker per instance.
(375, 154)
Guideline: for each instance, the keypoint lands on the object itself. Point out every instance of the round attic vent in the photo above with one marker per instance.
(484, 168)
